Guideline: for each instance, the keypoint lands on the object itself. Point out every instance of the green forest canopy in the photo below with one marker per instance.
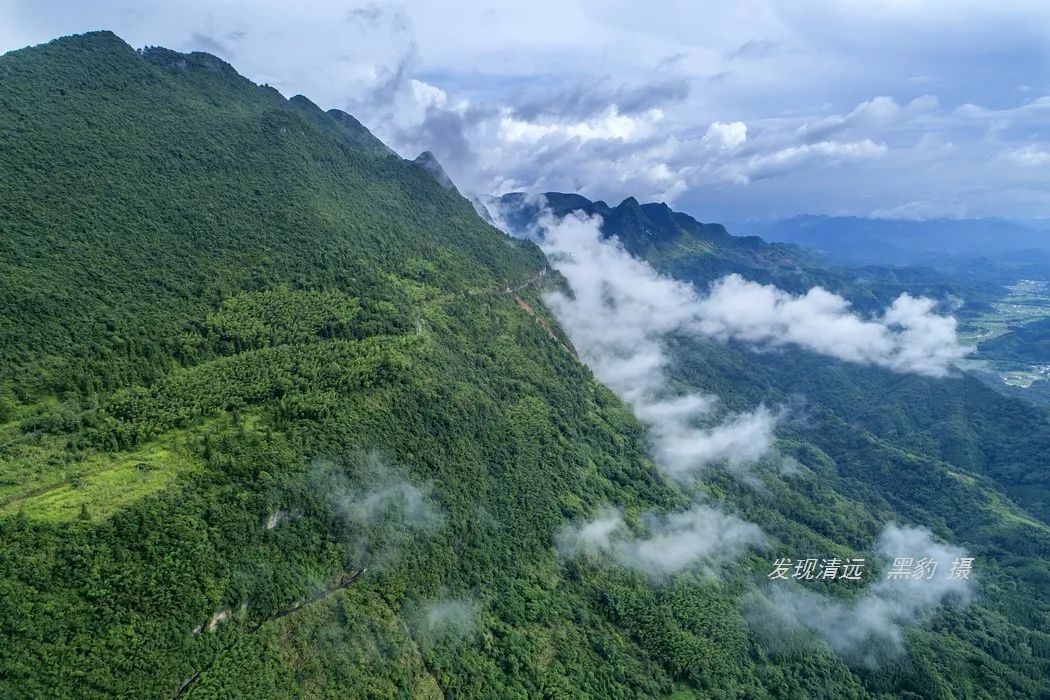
(266, 404)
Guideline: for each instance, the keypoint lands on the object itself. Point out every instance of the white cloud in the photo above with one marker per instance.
(726, 135)
(908, 337)
(382, 511)
(621, 309)
(672, 544)
(431, 621)
(775, 108)
(783, 160)
(426, 95)
(380, 495)
(619, 312)
(609, 125)
(1030, 156)
(450, 616)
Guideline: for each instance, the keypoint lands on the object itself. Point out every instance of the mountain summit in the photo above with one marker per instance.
(429, 162)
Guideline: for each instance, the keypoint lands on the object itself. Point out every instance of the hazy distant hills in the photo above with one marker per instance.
(901, 242)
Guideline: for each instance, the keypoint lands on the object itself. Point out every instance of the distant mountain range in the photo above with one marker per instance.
(900, 242)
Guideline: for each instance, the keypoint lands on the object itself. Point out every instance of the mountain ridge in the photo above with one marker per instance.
(683, 247)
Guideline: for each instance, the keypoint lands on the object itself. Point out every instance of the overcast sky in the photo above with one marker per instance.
(743, 109)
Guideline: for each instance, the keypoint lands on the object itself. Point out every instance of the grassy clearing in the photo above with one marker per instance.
(101, 483)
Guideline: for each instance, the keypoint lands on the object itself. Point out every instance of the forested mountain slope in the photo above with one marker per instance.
(281, 416)
(946, 452)
(1028, 343)
(998, 432)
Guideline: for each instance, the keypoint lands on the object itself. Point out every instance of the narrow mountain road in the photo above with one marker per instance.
(344, 582)
(507, 289)
(512, 291)
(527, 283)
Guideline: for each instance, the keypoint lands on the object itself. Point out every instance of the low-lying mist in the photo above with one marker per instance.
(618, 314)
(673, 543)
(378, 507)
(621, 309)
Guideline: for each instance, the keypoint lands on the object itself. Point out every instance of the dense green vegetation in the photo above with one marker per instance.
(949, 453)
(1026, 343)
(152, 187)
(276, 419)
